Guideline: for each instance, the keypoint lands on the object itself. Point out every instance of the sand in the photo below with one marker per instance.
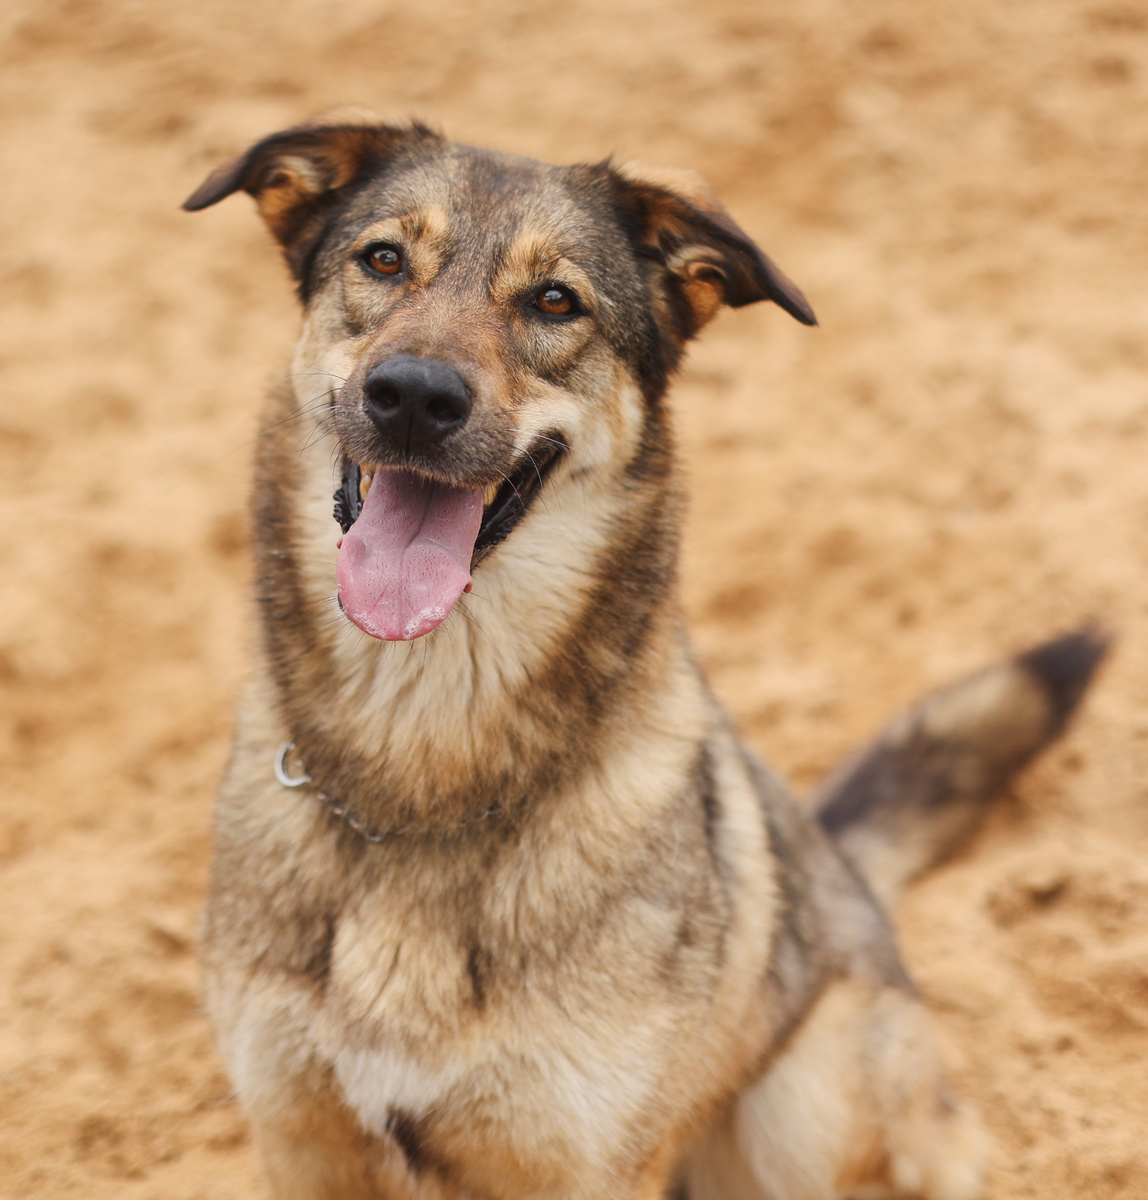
(951, 468)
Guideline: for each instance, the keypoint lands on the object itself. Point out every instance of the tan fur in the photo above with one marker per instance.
(538, 925)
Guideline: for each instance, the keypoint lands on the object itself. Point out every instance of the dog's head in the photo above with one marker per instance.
(487, 319)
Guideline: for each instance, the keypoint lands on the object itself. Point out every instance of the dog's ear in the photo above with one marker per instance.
(675, 218)
(294, 175)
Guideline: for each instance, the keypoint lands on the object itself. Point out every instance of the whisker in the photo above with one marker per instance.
(316, 404)
(304, 374)
(542, 437)
(278, 426)
(541, 489)
(472, 619)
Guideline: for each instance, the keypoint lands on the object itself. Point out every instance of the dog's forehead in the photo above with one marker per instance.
(489, 201)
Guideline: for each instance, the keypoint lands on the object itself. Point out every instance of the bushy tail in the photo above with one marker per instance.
(908, 800)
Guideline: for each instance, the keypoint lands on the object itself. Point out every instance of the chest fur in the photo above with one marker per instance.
(445, 1002)
(547, 983)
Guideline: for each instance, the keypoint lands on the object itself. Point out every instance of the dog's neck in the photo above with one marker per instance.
(570, 639)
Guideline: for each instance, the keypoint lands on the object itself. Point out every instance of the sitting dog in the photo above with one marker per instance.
(500, 905)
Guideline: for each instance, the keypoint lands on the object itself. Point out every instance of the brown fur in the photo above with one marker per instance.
(539, 925)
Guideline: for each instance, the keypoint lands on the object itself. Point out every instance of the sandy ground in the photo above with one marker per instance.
(950, 468)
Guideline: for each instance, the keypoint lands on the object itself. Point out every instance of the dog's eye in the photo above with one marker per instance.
(556, 301)
(382, 259)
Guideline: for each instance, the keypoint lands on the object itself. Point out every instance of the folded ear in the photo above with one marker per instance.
(293, 175)
(677, 220)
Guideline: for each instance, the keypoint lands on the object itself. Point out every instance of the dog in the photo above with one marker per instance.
(500, 906)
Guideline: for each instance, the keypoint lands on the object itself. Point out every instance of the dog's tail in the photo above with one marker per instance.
(907, 801)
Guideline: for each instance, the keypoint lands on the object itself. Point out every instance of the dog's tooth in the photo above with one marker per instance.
(365, 484)
(489, 494)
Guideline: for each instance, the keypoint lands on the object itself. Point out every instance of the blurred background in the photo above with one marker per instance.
(952, 467)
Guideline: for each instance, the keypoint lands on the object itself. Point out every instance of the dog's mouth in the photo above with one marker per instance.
(410, 542)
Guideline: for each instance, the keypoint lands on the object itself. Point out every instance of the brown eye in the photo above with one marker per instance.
(556, 301)
(383, 260)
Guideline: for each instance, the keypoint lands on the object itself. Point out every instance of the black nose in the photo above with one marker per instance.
(416, 402)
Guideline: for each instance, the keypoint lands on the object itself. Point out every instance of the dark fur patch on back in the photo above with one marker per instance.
(815, 886)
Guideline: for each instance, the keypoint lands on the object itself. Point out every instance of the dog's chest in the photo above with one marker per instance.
(552, 1003)
(428, 1025)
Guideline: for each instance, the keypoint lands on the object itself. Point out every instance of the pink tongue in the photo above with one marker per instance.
(406, 560)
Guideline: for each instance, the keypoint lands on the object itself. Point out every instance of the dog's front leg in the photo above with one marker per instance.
(311, 1144)
(313, 1149)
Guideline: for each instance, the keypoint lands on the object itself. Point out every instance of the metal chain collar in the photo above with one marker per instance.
(342, 811)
